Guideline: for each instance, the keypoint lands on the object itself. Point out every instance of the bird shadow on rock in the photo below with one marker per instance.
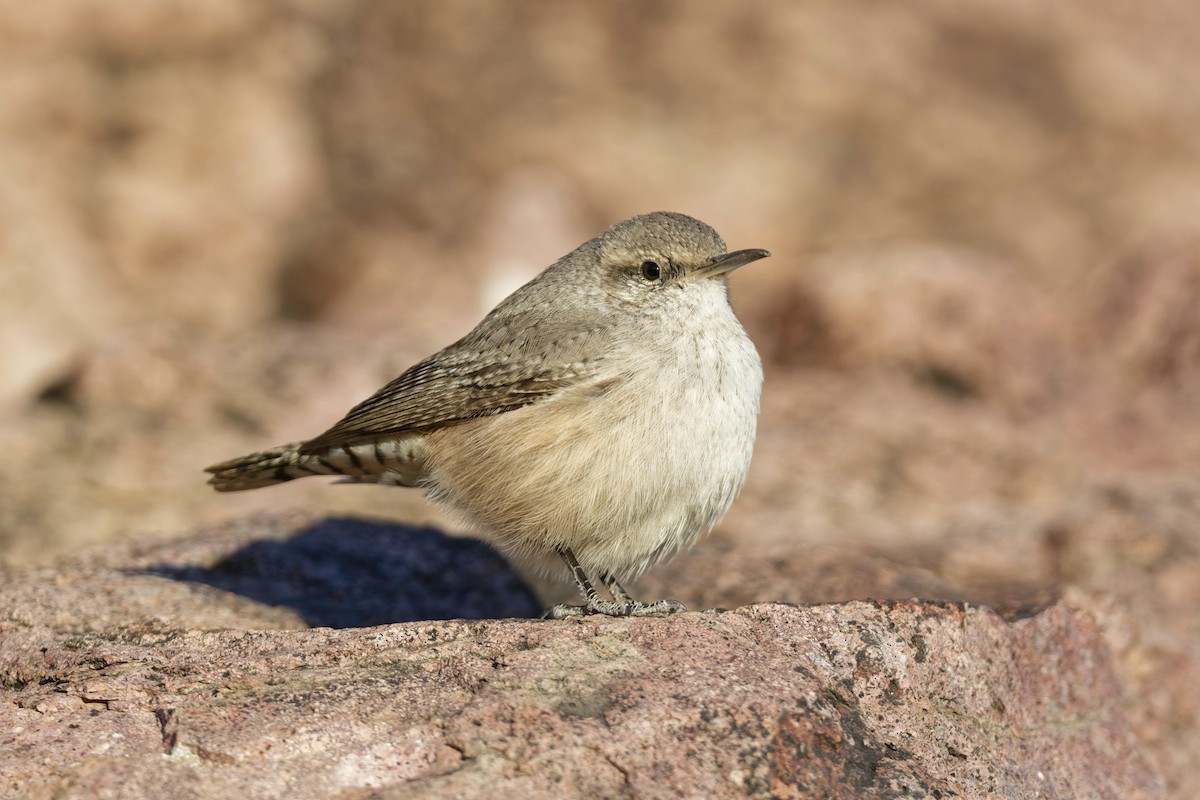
(343, 572)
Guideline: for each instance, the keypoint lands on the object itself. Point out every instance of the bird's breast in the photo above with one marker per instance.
(623, 468)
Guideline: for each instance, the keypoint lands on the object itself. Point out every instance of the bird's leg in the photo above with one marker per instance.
(658, 609)
(590, 595)
(622, 605)
(615, 589)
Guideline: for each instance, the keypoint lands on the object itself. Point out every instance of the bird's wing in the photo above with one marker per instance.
(453, 385)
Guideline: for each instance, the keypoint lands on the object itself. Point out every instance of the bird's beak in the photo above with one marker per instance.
(727, 263)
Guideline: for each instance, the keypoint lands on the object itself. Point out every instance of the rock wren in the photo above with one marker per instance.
(602, 414)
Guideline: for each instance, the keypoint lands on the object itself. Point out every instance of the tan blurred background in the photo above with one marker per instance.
(223, 223)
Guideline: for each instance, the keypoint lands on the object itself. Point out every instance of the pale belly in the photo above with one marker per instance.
(623, 473)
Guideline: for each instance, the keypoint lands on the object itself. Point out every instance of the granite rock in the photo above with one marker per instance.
(129, 674)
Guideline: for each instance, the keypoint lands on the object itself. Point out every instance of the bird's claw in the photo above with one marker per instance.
(613, 608)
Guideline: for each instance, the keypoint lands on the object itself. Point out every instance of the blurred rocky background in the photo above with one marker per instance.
(224, 223)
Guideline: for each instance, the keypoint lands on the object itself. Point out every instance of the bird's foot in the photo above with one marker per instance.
(614, 608)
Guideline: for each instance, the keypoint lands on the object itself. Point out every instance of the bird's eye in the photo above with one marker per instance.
(651, 271)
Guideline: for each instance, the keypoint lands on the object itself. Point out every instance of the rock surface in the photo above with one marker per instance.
(128, 675)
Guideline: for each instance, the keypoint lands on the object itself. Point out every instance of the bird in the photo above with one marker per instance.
(601, 417)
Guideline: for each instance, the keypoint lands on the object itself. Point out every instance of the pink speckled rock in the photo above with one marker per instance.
(162, 688)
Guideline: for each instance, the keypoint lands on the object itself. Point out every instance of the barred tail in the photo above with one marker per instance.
(396, 461)
(277, 465)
